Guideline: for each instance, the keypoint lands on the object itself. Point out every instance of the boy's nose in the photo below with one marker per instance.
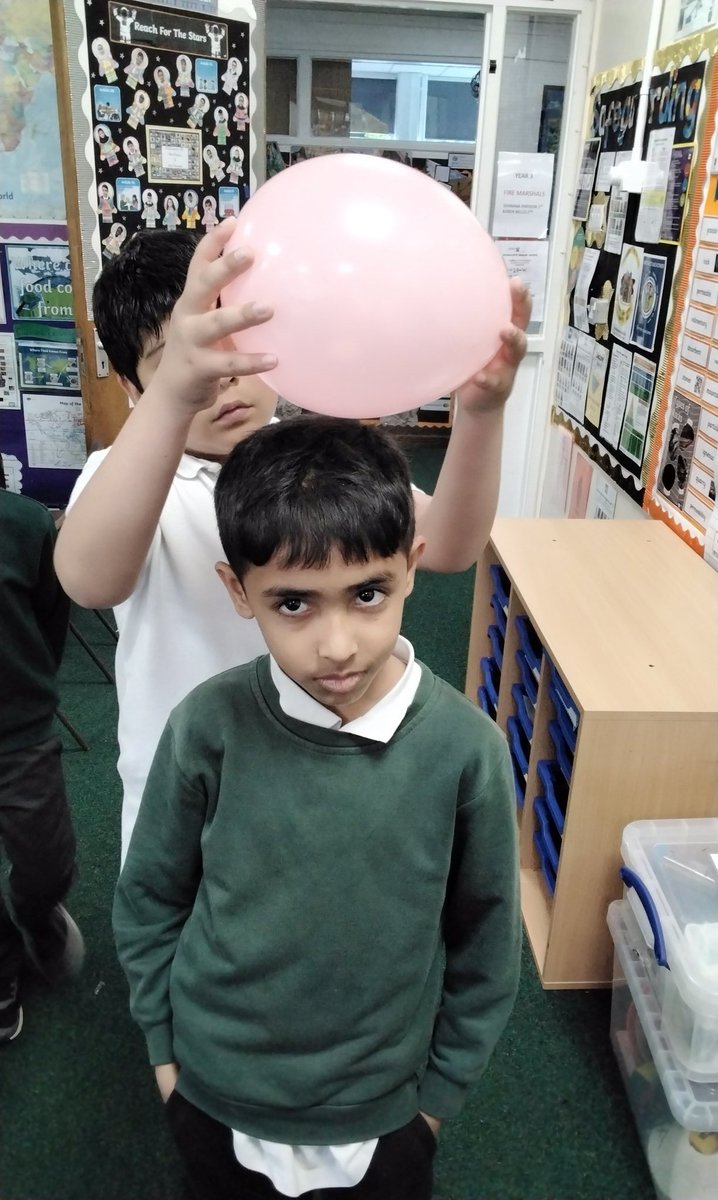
(337, 644)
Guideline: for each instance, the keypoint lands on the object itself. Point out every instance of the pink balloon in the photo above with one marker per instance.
(387, 292)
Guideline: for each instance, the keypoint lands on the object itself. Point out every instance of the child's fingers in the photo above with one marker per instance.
(226, 364)
(211, 269)
(220, 323)
(515, 344)
(520, 303)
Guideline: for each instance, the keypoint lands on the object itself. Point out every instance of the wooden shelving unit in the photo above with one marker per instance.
(628, 617)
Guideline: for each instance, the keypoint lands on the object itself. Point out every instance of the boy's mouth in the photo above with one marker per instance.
(340, 684)
(232, 414)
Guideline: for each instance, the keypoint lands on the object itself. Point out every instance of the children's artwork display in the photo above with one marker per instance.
(169, 98)
(682, 472)
(627, 253)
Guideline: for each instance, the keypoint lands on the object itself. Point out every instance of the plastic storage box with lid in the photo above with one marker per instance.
(671, 871)
(677, 1118)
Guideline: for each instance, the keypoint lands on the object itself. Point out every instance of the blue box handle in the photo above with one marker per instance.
(632, 880)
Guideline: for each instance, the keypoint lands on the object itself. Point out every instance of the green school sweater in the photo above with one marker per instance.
(323, 932)
(34, 614)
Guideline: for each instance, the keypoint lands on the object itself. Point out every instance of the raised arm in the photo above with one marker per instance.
(456, 521)
(108, 531)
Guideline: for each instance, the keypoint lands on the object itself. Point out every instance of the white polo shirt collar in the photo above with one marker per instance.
(379, 724)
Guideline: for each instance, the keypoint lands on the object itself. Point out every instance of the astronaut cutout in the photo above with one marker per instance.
(165, 91)
(113, 241)
(231, 76)
(105, 62)
(138, 108)
(191, 211)
(198, 111)
(214, 163)
(221, 125)
(108, 147)
(235, 166)
(209, 210)
(135, 158)
(241, 111)
(184, 81)
(171, 218)
(136, 67)
(106, 202)
(216, 36)
(150, 212)
(125, 20)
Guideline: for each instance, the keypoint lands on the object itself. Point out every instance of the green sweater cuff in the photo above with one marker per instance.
(159, 1044)
(439, 1097)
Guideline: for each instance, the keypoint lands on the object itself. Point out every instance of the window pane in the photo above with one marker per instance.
(451, 111)
(405, 101)
(282, 96)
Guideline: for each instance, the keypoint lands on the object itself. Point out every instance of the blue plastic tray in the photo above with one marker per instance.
(564, 721)
(530, 644)
(491, 676)
(546, 869)
(545, 826)
(501, 583)
(565, 697)
(528, 678)
(499, 613)
(485, 702)
(563, 754)
(555, 792)
(497, 644)
(519, 785)
(519, 746)
(525, 717)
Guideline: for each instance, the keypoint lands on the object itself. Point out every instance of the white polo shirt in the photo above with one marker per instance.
(294, 1170)
(177, 629)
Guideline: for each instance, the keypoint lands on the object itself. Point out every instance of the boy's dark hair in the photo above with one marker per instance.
(136, 292)
(301, 488)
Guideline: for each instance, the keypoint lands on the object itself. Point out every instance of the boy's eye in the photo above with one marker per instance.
(292, 606)
(369, 597)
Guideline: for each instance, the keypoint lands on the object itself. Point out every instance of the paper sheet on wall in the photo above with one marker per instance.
(653, 198)
(54, 431)
(617, 210)
(601, 498)
(576, 401)
(619, 375)
(528, 261)
(564, 372)
(638, 407)
(627, 291)
(597, 379)
(580, 484)
(522, 205)
(580, 296)
(12, 471)
(558, 468)
(603, 174)
(586, 177)
(9, 394)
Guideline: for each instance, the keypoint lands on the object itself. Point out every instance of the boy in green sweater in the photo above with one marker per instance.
(35, 827)
(319, 915)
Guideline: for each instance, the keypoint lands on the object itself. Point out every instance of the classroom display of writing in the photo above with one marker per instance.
(627, 249)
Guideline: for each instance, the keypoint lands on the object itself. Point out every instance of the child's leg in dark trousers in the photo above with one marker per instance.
(37, 838)
(401, 1168)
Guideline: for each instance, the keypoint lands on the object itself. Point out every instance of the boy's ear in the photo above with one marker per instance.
(237, 594)
(133, 392)
(417, 549)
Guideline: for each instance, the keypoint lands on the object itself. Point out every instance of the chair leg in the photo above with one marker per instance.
(71, 729)
(95, 658)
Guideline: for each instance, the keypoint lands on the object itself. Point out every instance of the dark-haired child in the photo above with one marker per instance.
(318, 914)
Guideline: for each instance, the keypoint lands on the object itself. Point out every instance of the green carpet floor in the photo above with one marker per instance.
(79, 1115)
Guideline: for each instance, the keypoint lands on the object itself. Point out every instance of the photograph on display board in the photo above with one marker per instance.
(39, 281)
(622, 266)
(169, 135)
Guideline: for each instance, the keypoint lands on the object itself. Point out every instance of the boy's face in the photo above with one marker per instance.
(244, 404)
(331, 629)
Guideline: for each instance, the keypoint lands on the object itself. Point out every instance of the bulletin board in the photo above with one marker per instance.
(681, 479)
(169, 106)
(42, 437)
(626, 253)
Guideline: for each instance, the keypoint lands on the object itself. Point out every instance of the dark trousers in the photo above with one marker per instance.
(401, 1168)
(37, 839)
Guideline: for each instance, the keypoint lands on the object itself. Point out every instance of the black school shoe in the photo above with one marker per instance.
(10, 1011)
(59, 952)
